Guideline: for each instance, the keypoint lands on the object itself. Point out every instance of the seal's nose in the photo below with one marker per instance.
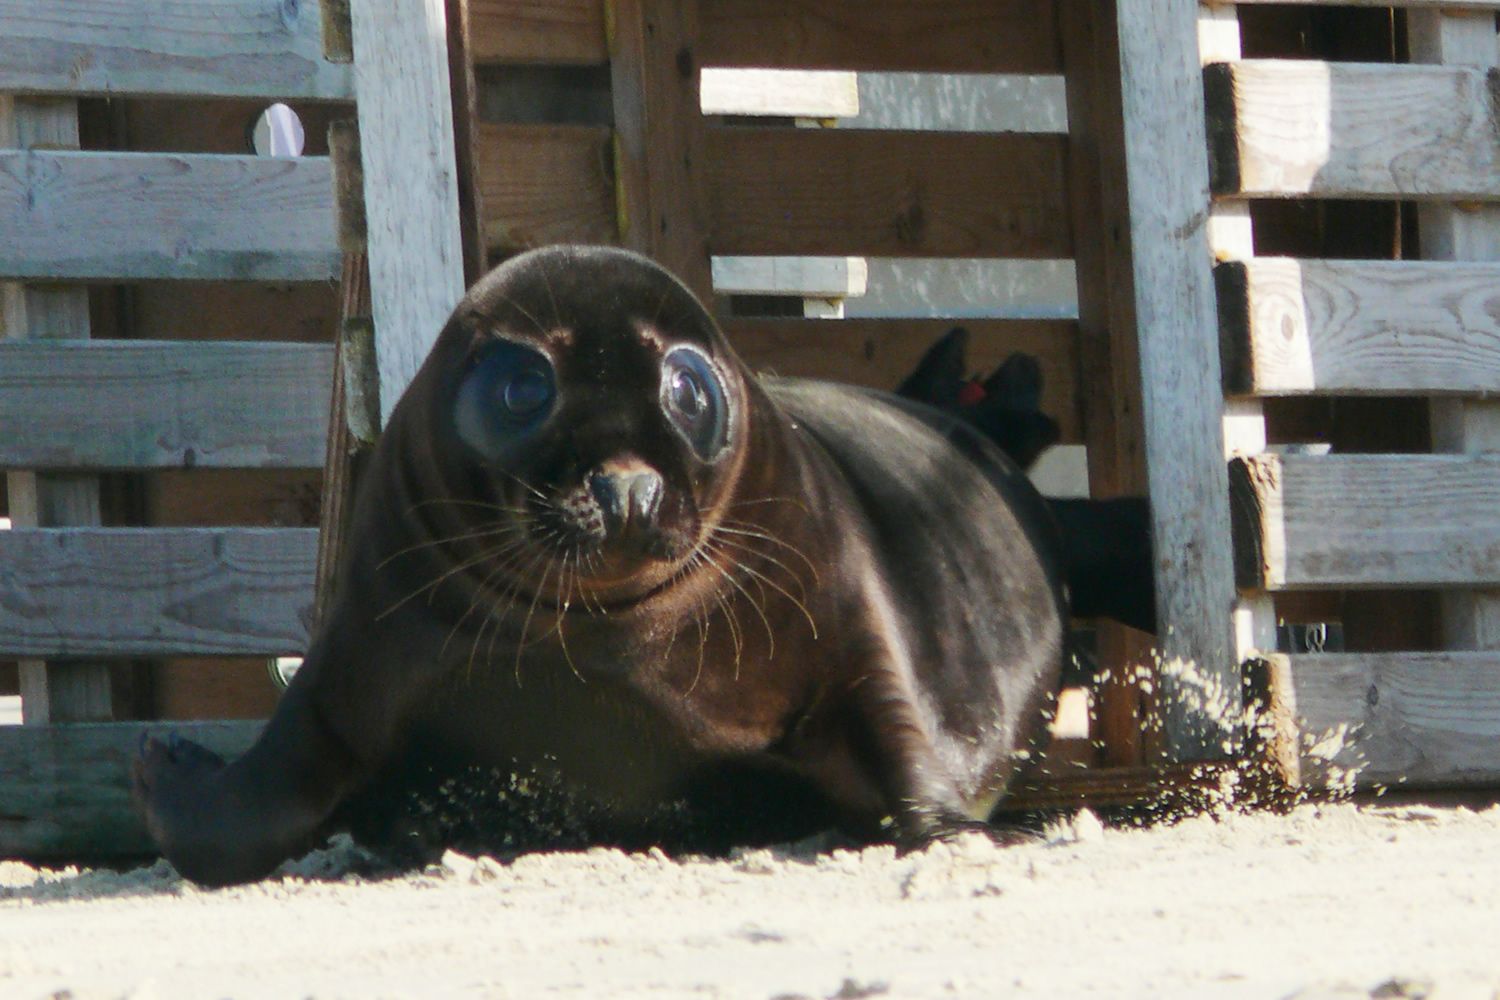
(628, 496)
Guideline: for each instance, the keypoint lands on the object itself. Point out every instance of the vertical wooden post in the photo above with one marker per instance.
(1182, 404)
(658, 135)
(416, 255)
(1109, 362)
(1470, 619)
(51, 692)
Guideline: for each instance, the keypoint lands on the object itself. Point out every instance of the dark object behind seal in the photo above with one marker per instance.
(605, 586)
(1106, 544)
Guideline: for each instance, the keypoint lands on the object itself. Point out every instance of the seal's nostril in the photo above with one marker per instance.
(607, 493)
(645, 495)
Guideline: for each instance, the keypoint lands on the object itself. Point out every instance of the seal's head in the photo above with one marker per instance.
(595, 403)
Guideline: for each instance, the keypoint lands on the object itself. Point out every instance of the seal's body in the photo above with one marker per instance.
(603, 585)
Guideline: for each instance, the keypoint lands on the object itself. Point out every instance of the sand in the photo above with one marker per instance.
(1332, 900)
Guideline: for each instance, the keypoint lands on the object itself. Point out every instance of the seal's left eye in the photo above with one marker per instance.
(693, 398)
(526, 392)
(505, 395)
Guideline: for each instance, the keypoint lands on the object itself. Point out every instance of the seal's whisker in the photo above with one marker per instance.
(482, 504)
(782, 591)
(740, 546)
(495, 530)
(479, 592)
(526, 625)
(794, 501)
(458, 568)
(701, 619)
(562, 611)
(741, 528)
(759, 610)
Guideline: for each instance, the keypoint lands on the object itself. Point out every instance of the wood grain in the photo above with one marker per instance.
(779, 92)
(1295, 327)
(1410, 719)
(200, 48)
(406, 134)
(163, 404)
(1368, 520)
(556, 32)
(113, 216)
(542, 184)
(1351, 130)
(880, 353)
(839, 192)
(968, 36)
(74, 691)
(66, 793)
(142, 591)
(1182, 403)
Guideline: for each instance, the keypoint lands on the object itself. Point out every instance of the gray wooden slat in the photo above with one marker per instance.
(1171, 301)
(66, 793)
(163, 404)
(1366, 520)
(1282, 128)
(210, 48)
(1417, 719)
(137, 216)
(1299, 327)
(155, 591)
(1409, 4)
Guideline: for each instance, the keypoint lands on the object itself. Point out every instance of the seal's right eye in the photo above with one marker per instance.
(507, 393)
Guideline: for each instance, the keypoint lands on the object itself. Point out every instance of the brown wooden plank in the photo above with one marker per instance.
(1366, 520)
(881, 352)
(897, 194)
(1411, 719)
(966, 36)
(143, 591)
(1293, 327)
(161, 404)
(541, 184)
(66, 793)
(559, 32)
(659, 157)
(1351, 130)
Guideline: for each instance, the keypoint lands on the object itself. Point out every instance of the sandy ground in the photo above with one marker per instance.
(1334, 900)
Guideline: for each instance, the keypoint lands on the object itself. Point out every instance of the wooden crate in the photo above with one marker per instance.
(164, 380)
(1388, 528)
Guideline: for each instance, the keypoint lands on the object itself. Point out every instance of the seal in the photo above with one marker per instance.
(604, 585)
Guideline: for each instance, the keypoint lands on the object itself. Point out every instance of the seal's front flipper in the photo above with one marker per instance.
(221, 824)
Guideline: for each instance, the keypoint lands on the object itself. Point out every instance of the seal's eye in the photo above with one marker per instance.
(507, 393)
(527, 391)
(693, 398)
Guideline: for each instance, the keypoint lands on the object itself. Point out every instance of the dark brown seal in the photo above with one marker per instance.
(605, 586)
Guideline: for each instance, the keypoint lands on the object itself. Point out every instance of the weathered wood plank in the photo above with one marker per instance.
(843, 192)
(880, 353)
(1411, 719)
(556, 32)
(155, 591)
(209, 48)
(542, 184)
(813, 277)
(970, 36)
(55, 692)
(1408, 4)
(1182, 404)
(1367, 520)
(1347, 130)
(779, 92)
(411, 182)
(1293, 327)
(162, 404)
(113, 216)
(66, 794)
